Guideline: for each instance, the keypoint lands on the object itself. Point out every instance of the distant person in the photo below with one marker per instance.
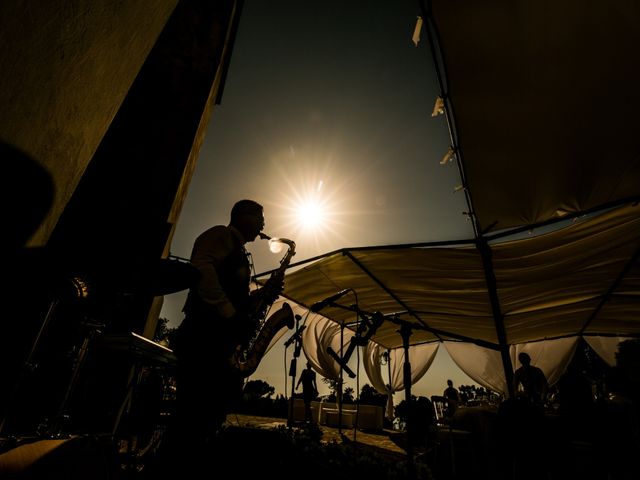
(530, 382)
(309, 390)
(453, 398)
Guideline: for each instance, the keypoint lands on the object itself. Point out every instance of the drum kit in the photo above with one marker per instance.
(146, 403)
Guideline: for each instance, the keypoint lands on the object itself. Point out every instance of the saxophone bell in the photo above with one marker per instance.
(276, 244)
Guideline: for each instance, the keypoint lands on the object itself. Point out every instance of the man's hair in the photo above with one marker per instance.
(243, 207)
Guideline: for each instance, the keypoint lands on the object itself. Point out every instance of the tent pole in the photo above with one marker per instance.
(498, 317)
(405, 333)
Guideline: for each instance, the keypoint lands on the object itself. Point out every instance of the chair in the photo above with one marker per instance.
(440, 410)
(444, 428)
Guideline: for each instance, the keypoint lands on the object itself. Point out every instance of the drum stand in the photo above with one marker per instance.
(54, 428)
(46, 430)
(29, 365)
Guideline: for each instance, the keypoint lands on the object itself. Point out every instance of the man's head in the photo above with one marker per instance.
(524, 358)
(248, 217)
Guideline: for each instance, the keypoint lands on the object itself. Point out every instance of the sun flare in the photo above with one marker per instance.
(314, 203)
(310, 214)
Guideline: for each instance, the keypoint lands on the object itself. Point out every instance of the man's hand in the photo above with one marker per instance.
(275, 284)
(272, 289)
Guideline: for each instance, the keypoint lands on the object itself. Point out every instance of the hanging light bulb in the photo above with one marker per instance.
(384, 357)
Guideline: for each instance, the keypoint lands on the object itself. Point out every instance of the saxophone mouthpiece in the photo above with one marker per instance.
(264, 236)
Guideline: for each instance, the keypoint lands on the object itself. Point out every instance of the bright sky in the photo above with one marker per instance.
(326, 111)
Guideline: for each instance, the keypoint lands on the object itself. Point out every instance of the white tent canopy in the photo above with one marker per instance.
(583, 279)
(541, 102)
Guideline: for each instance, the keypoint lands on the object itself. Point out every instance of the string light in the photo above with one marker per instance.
(448, 157)
(416, 31)
(438, 107)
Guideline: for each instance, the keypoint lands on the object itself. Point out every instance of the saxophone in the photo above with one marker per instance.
(245, 360)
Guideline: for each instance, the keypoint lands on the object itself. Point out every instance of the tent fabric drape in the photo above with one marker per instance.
(319, 334)
(484, 365)
(606, 347)
(530, 85)
(552, 356)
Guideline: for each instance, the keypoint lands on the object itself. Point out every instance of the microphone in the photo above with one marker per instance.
(316, 307)
(295, 336)
(341, 361)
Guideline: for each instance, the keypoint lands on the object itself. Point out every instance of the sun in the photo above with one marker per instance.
(313, 203)
(310, 214)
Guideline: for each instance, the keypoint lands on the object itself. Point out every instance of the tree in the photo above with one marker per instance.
(347, 395)
(258, 389)
(163, 333)
(334, 386)
(370, 396)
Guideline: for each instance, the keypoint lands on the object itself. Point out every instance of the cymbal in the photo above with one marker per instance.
(163, 277)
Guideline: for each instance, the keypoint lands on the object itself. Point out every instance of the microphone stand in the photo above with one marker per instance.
(341, 380)
(366, 328)
(405, 333)
(292, 368)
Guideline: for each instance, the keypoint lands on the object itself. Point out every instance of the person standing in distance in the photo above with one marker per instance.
(530, 382)
(309, 390)
(452, 396)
